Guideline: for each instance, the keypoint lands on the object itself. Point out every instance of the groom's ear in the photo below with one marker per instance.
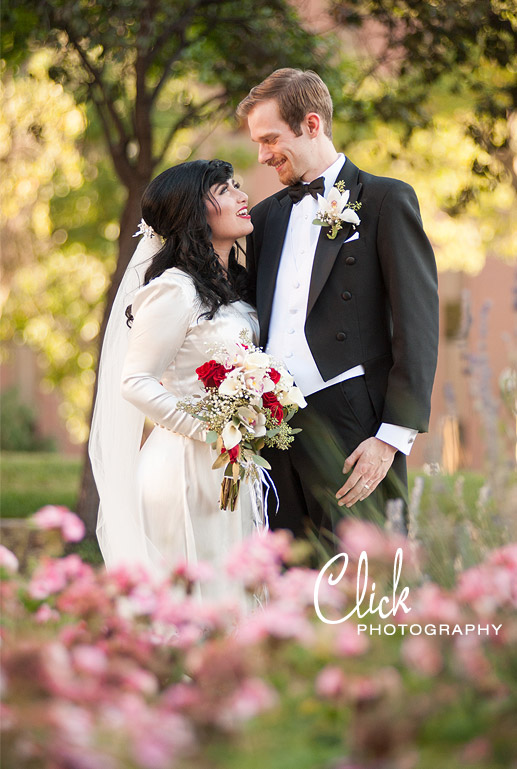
(313, 123)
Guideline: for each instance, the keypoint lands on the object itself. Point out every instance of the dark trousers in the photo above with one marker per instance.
(307, 476)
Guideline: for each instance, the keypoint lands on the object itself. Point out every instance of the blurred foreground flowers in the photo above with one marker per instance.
(115, 671)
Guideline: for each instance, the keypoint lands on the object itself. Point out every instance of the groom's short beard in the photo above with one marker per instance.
(286, 181)
(292, 179)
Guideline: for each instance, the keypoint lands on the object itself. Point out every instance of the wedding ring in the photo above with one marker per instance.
(366, 486)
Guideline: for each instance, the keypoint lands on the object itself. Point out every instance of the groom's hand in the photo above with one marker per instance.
(371, 461)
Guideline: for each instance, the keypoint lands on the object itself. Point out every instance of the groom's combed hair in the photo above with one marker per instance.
(297, 93)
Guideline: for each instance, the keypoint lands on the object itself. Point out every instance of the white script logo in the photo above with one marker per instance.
(380, 606)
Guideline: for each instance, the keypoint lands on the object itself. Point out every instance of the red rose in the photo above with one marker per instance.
(270, 402)
(212, 373)
(233, 453)
(274, 375)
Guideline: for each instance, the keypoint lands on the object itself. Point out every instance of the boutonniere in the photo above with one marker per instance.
(335, 209)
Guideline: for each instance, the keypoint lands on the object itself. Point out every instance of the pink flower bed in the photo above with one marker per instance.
(113, 671)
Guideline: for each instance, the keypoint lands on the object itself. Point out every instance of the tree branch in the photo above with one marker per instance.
(178, 28)
(95, 74)
(117, 151)
(192, 113)
(123, 138)
(142, 117)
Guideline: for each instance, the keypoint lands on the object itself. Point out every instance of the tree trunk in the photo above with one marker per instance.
(88, 500)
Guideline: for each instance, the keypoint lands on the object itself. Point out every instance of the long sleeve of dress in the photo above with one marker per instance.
(162, 311)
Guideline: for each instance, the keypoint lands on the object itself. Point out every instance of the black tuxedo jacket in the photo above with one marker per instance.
(372, 301)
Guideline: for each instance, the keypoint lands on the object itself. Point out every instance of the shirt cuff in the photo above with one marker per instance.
(401, 438)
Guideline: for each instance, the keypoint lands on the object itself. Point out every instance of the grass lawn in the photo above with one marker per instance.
(30, 480)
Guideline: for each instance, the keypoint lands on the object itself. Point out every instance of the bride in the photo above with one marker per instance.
(183, 293)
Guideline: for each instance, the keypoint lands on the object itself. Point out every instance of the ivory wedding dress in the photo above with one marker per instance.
(177, 509)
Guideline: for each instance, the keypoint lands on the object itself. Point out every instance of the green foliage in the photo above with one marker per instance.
(18, 428)
(466, 48)
(204, 56)
(30, 481)
(104, 95)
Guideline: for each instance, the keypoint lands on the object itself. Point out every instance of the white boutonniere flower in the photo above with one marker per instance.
(335, 209)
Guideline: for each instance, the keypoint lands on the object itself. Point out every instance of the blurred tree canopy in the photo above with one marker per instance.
(59, 205)
(468, 47)
(151, 70)
(432, 98)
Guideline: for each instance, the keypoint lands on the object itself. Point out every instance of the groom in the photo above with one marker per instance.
(355, 318)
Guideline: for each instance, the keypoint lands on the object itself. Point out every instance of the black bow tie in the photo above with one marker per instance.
(298, 190)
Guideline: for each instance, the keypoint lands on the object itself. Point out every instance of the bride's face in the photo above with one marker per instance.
(227, 213)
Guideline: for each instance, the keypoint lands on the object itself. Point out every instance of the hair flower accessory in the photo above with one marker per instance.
(144, 229)
(335, 209)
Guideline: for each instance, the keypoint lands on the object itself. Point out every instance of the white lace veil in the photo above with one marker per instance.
(116, 432)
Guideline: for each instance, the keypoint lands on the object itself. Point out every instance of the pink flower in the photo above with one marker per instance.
(182, 697)
(72, 528)
(504, 556)
(139, 680)
(58, 674)
(431, 603)
(90, 660)
(140, 601)
(252, 697)
(7, 717)
(194, 572)
(476, 751)
(156, 737)
(276, 620)
(350, 643)
(422, 655)
(357, 535)
(331, 683)
(59, 517)
(45, 613)
(487, 588)
(362, 689)
(295, 585)
(259, 559)
(470, 658)
(74, 724)
(52, 575)
(8, 560)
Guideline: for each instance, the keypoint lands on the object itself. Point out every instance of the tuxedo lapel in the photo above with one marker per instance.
(274, 235)
(327, 250)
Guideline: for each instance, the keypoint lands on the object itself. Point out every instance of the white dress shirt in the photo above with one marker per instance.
(287, 340)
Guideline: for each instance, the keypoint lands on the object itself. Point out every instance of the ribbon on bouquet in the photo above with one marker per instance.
(259, 499)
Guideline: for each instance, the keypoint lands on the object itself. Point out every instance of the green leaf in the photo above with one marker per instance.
(221, 460)
(211, 436)
(272, 432)
(260, 461)
(295, 430)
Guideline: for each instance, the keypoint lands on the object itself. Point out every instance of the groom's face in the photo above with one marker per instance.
(279, 147)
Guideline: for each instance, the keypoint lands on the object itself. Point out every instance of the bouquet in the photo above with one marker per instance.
(249, 401)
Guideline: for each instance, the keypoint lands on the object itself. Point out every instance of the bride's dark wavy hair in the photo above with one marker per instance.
(174, 205)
